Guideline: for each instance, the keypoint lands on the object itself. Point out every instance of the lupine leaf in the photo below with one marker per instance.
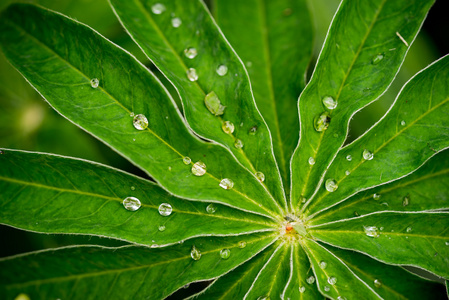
(274, 39)
(165, 44)
(360, 58)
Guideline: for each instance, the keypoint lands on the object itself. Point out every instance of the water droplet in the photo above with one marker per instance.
(327, 288)
(165, 209)
(131, 114)
(311, 161)
(341, 298)
(176, 22)
(332, 280)
(302, 289)
(222, 70)
(406, 201)
(356, 214)
(378, 58)
(94, 82)
(242, 244)
(158, 8)
(227, 127)
(195, 254)
(227, 183)
(199, 168)
(186, 160)
(238, 144)
(260, 176)
(186, 286)
(249, 64)
(140, 122)
(211, 209)
(303, 199)
(368, 155)
(192, 75)
(133, 188)
(321, 122)
(310, 279)
(161, 228)
(446, 243)
(349, 157)
(213, 104)
(190, 52)
(409, 229)
(131, 203)
(347, 172)
(376, 196)
(323, 264)
(253, 130)
(331, 185)
(371, 231)
(377, 283)
(22, 296)
(402, 123)
(225, 253)
(329, 102)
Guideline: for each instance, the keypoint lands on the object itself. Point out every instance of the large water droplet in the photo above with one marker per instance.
(323, 264)
(348, 157)
(225, 253)
(310, 279)
(260, 176)
(211, 208)
(131, 203)
(368, 155)
(371, 231)
(377, 283)
(332, 280)
(176, 22)
(192, 75)
(331, 185)
(94, 82)
(329, 102)
(199, 168)
(227, 183)
(158, 8)
(327, 288)
(378, 58)
(190, 52)
(227, 127)
(311, 161)
(238, 144)
(302, 289)
(165, 209)
(213, 104)
(403, 123)
(161, 228)
(222, 70)
(195, 254)
(406, 201)
(140, 122)
(321, 122)
(186, 160)
(253, 130)
(376, 196)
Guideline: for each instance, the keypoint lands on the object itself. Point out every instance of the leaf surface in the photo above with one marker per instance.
(360, 58)
(165, 45)
(274, 39)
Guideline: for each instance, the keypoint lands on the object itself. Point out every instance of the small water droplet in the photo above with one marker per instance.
(161, 228)
(321, 122)
(211, 208)
(378, 58)
(226, 183)
(253, 130)
(192, 75)
(368, 155)
(331, 185)
(402, 123)
(409, 229)
(225, 253)
(371, 231)
(347, 172)
(190, 52)
(302, 289)
(446, 243)
(176, 22)
(133, 188)
(384, 204)
(238, 144)
(140, 122)
(349, 157)
(158, 8)
(260, 176)
(341, 298)
(94, 82)
(310, 279)
(186, 286)
(329, 102)
(332, 280)
(186, 160)
(131, 114)
(165, 209)
(131, 203)
(249, 64)
(311, 161)
(199, 168)
(327, 288)
(406, 201)
(323, 264)
(222, 70)
(376, 196)
(195, 254)
(227, 127)
(213, 104)
(377, 283)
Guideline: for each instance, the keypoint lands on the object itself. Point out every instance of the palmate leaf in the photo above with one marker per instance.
(273, 38)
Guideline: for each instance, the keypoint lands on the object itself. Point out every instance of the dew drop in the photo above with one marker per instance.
(377, 283)
(376, 196)
(409, 229)
(347, 172)
(227, 127)
(371, 231)
(349, 157)
(238, 144)
(403, 123)
(249, 64)
(225, 253)
(332, 280)
(242, 244)
(321, 122)
(368, 155)
(406, 201)
(222, 70)
(327, 288)
(140, 122)
(131, 203)
(192, 75)
(311, 161)
(378, 58)
(190, 53)
(253, 130)
(158, 8)
(302, 289)
(131, 114)
(260, 176)
(199, 168)
(329, 102)
(94, 82)
(133, 188)
(186, 160)
(195, 254)
(161, 228)
(165, 209)
(176, 22)
(446, 243)
(331, 185)
(213, 104)
(323, 264)
(227, 183)
(310, 279)
(211, 209)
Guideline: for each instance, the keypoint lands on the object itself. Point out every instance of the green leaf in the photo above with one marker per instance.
(394, 238)
(274, 39)
(425, 189)
(51, 197)
(360, 58)
(420, 111)
(118, 273)
(165, 46)
(61, 70)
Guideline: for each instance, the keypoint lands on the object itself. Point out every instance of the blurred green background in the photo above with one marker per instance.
(27, 122)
